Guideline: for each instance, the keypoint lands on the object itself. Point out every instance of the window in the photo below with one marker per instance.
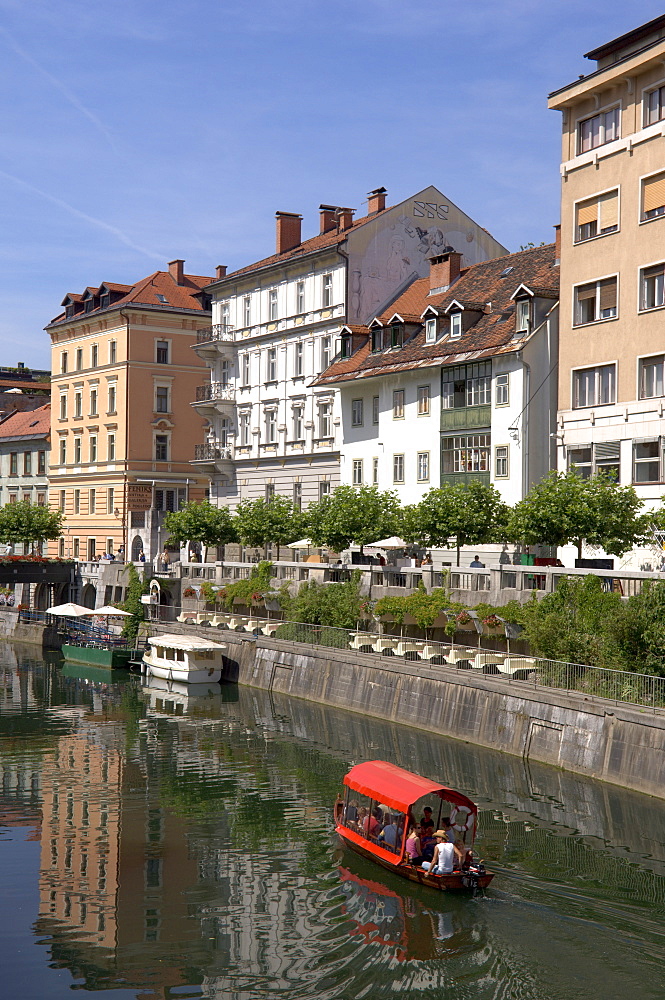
(423, 400)
(110, 500)
(324, 489)
(76, 547)
(13, 497)
(597, 216)
(398, 404)
(298, 359)
(162, 352)
(501, 390)
(300, 297)
(246, 368)
(326, 343)
(13, 463)
(327, 298)
(652, 287)
(588, 460)
(247, 310)
(78, 404)
(79, 359)
(297, 496)
(105, 300)
(61, 547)
(422, 466)
(501, 461)
(109, 545)
(271, 426)
(63, 451)
(27, 498)
(112, 404)
(27, 463)
(93, 447)
(357, 472)
(269, 492)
(398, 468)
(77, 501)
(63, 362)
(110, 448)
(113, 351)
(346, 346)
(92, 501)
(224, 315)
(161, 399)
(62, 500)
(325, 420)
(466, 453)
(598, 130)
(161, 447)
(77, 451)
(396, 335)
(94, 354)
(466, 385)
(377, 339)
(244, 429)
(653, 197)
(456, 324)
(375, 409)
(375, 472)
(272, 304)
(651, 377)
(648, 461)
(522, 315)
(41, 463)
(654, 106)
(594, 386)
(430, 330)
(356, 413)
(63, 406)
(271, 365)
(41, 499)
(298, 414)
(93, 402)
(595, 301)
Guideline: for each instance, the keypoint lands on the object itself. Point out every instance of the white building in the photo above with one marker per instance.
(276, 328)
(455, 380)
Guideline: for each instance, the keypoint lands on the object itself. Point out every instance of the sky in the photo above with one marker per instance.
(133, 133)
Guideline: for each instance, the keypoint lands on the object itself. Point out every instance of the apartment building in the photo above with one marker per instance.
(25, 443)
(276, 328)
(455, 380)
(612, 351)
(122, 423)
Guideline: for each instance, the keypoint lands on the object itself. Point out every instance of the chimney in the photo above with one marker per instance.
(444, 269)
(328, 218)
(177, 271)
(376, 201)
(220, 271)
(345, 218)
(288, 231)
(557, 245)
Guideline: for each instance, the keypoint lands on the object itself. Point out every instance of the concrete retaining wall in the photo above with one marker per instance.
(35, 634)
(594, 737)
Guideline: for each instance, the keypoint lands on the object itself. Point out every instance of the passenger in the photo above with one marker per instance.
(339, 808)
(450, 830)
(371, 825)
(352, 813)
(413, 849)
(427, 842)
(426, 819)
(390, 833)
(444, 856)
(463, 854)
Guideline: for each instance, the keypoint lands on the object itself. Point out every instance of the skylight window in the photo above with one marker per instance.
(506, 271)
(162, 298)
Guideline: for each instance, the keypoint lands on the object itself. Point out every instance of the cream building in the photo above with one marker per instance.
(612, 350)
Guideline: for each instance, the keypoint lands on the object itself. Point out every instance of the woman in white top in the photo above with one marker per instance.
(443, 858)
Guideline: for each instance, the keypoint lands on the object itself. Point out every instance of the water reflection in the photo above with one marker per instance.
(185, 845)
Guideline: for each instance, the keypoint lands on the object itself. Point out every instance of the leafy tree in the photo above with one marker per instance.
(351, 515)
(26, 522)
(471, 514)
(259, 522)
(136, 587)
(565, 508)
(201, 522)
(332, 604)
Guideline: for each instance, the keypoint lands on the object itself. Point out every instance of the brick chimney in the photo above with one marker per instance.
(345, 218)
(220, 271)
(328, 218)
(444, 269)
(557, 245)
(177, 271)
(376, 201)
(288, 231)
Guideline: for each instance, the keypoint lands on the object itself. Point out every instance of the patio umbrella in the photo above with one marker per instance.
(69, 610)
(110, 611)
(388, 543)
(304, 543)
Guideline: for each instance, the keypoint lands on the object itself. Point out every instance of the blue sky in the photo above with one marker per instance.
(136, 132)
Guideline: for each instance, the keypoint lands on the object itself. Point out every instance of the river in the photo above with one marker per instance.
(160, 846)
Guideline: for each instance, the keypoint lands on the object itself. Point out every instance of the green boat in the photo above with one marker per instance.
(111, 657)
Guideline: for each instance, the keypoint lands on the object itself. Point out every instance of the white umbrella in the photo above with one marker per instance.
(388, 543)
(69, 610)
(109, 611)
(304, 543)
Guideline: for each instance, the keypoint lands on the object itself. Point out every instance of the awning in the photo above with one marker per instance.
(397, 788)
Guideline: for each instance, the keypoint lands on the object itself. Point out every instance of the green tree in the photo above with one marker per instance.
(201, 522)
(351, 515)
(136, 587)
(565, 508)
(470, 513)
(260, 522)
(26, 522)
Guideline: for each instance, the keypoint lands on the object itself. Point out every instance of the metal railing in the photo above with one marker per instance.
(210, 334)
(210, 453)
(215, 391)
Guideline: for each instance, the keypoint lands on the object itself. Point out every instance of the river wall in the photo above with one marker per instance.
(36, 634)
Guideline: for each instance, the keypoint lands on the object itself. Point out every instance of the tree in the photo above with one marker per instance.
(471, 514)
(259, 522)
(565, 508)
(136, 587)
(201, 522)
(26, 522)
(351, 515)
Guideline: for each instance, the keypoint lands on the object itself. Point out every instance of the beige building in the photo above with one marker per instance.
(612, 348)
(123, 428)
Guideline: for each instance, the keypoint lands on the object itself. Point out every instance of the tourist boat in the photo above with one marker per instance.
(183, 658)
(401, 797)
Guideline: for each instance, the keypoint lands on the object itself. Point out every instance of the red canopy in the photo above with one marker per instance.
(398, 788)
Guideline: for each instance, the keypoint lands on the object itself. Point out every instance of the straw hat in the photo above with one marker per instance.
(441, 833)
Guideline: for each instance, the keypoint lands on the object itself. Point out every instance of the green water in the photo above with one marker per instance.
(165, 846)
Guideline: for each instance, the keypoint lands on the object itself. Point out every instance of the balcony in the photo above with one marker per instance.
(466, 417)
(213, 398)
(211, 339)
(211, 459)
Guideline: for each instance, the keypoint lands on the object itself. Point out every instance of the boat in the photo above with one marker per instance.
(377, 788)
(98, 654)
(182, 658)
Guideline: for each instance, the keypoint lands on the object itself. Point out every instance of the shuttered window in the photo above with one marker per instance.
(595, 301)
(653, 196)
(652, 287)
(597, 216)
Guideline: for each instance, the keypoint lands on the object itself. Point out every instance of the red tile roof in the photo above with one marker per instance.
(478, 287)
(27, 423)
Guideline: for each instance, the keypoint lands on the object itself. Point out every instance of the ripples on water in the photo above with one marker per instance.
(161, 845)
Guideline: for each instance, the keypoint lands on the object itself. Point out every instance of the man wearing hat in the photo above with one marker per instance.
(444, 856)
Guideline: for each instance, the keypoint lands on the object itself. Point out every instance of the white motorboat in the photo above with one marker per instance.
(186, 659)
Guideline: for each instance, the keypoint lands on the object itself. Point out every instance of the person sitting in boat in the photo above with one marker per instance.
(449, 828)
(413, 848)
(463, 855)
(427, 842)
(339, 809)
(351, 817)
(442, 862)
(390, 835)
(372, 824)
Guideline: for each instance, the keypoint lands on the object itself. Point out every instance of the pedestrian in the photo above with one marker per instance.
(476, 563)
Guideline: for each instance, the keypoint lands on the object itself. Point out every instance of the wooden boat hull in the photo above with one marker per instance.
(457, 881)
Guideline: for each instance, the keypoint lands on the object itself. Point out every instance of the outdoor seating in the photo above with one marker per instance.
(186, 616)
(488, 662)
(363, 641)
(434, 651)
(461, 658)
(384, 644)
(220, 621)
(518, 667)
(269, 628)
(405, 647)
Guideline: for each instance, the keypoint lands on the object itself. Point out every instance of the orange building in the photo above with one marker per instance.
(123, 429)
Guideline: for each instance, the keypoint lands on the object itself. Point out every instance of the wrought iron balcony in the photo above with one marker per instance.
(214, 391)
(211, 453)
(211, 334)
